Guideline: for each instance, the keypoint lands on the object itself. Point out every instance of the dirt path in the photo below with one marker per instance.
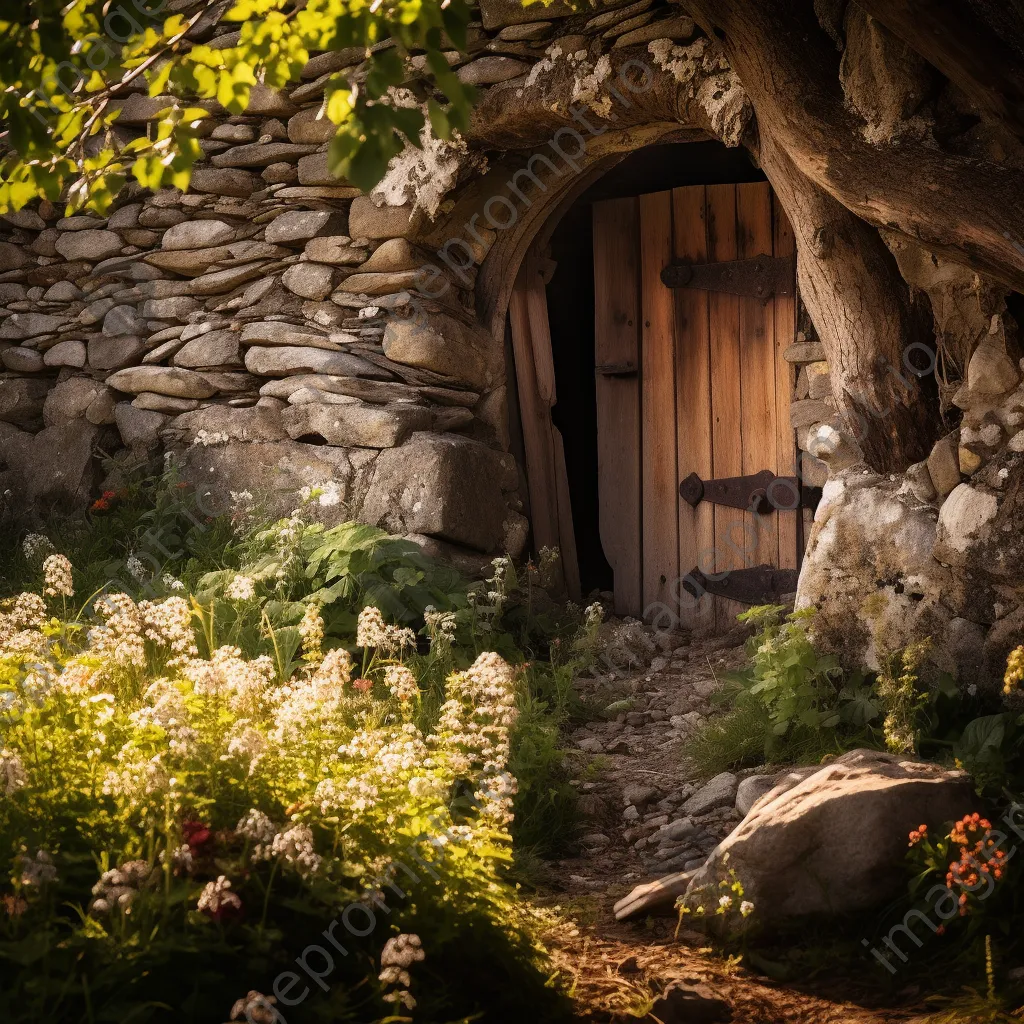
(645, 818)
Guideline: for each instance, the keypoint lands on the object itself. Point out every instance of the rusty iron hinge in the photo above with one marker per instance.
(762, 584)
(626, 369)
(761, 492)
(760, 277)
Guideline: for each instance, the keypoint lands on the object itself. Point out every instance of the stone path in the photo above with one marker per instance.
(645, 818)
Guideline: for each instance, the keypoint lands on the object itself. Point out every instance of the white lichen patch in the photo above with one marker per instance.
(425, 176)
(711, 81)
(588, 78)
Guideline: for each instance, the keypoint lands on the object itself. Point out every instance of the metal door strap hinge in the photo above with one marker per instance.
(617, 369)
(762, 584)
(760, 277)
(760, 492)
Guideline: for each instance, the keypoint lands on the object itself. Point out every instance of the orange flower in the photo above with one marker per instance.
(99, 505)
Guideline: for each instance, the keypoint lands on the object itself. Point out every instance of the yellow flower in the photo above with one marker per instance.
(1014, 671)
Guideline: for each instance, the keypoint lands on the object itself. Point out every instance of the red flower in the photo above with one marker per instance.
(195, 834)
(99, 505)
(362, 684)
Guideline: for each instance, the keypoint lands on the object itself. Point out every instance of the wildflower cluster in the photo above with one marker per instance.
(1014, 672)
(144, 752)
(724, 900)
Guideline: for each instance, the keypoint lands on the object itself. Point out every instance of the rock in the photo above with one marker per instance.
(367, 220)
(189, 262)
(393, 256)
(819, 383)
(751, 789)
(336, 249)
(72, 399)
(869, 570)
(91, 244)
(12, 257)
(164, 403)
(441, 485)
(802, 848)
(653, 897)
(218, 282)
(963, 520)
(490, 70)
(114, 353)
(217, 348)
(356, 424)
(66, 353)
(19, 326)
(197, 234)
(307, 127)
(920, 482)
(991, 372)
(677, 831)
(21, 400)
(255, 423)
(497, 14)
(162, 380)
(808, 412)
(177, 307)
(944, 464)
(638, 794)
(139, 428)
(223, 181)
(260, 154)
(804, 352)
(309, 280)
(276, 332)
(55, 467)
(285, 360)
(314, 170)
(298, 226)
(719, 792)
(23, 360)
(970, 461)
(680, 28)
(29, 220)
(466, 354)
(122, 320)
(382, 284)
(275, 472)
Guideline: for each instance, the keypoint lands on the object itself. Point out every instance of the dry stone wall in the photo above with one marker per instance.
(272, 330)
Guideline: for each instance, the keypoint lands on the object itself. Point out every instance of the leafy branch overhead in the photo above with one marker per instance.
(66, 72)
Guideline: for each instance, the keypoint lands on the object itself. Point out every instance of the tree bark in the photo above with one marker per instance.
(968, 209)
(953, 38)
(862, 310)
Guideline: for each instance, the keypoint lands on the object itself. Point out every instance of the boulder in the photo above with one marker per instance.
(719, 792)
(466, 354)
(368, 220)
(139, 428)
(964, 523)
(275, 472)
(944, 464)
(751, 789)
(72, 399)
(355, 424)
(834, 841)
(21, 400)
(114, 353)
(444, 486)
(19, 326)
(55, 467)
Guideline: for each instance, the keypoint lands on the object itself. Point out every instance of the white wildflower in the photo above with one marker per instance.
(241, 588)
(256, 1008)
(118, 887)
(12, 772)
(401, 682)
(172, 582)
(36, 547)
(260, 831)
(217, 897)
(746, 908)
(725, 902)
(296, 847)
(136, 568)
(57, 577)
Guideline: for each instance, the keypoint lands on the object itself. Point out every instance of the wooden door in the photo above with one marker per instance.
(689, 381)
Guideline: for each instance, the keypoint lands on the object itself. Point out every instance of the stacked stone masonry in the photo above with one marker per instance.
(270, 329)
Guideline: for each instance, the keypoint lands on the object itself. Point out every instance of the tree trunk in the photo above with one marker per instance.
(968, 209)
(864, 316)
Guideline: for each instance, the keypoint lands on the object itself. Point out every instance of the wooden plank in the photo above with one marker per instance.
(617, 342)
(726, 432)
(759, 424)
(693, 402)
(785, 380)
(551, 439)
(536, 419)
(566, 530)
(658, 415)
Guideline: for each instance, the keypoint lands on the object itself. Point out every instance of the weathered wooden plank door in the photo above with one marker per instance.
(695, 384)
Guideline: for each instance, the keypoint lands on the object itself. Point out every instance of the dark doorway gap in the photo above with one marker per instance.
(570, 297)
